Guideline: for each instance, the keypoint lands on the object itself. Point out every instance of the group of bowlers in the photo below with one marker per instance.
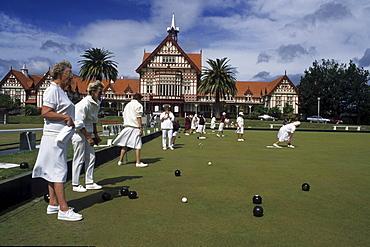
(64, 121)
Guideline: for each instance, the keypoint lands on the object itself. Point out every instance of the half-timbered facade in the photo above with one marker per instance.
(168, 75)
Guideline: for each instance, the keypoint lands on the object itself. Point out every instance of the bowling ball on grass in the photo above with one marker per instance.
(305, 187)
(106, 196)
(257, 199)
(23, 165)
(258, 211)
(177, 173)
(124, 192)
(47, 197)
(132, 194)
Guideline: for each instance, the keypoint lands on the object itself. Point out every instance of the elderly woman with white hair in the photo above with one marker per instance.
(286, 133)
(83, 144)
(58, 112)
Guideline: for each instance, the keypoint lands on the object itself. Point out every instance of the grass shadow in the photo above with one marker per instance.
(96, 198)
(114, 181)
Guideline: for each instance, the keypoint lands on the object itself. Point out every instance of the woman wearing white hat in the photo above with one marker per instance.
(286, 133)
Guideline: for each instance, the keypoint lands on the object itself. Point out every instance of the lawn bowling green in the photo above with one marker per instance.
(219, 211)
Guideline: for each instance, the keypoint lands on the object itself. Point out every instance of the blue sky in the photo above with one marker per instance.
(262, 38)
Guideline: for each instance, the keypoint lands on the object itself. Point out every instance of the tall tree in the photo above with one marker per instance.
(97, 65)
(322, 81)
(342, 90)
(219, 80)
(356, 98)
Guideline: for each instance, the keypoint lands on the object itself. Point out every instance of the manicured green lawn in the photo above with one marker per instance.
(219, 209)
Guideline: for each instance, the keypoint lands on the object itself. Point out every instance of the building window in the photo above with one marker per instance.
(149, 89)
(168, 59)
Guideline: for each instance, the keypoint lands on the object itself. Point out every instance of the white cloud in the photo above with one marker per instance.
(262, 38)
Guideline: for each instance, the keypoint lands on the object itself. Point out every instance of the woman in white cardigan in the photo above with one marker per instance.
(86, 118)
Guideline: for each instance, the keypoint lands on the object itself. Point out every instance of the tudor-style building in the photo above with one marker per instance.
(168, 75)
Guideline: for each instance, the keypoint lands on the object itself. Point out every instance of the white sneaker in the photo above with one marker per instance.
(187, 134)
(164, 148)
(79, 188)
(52, 209)
(93, 186)
(223, 136)
(141, 165)
(69, 215)
(275, 145)
(291, 146)
(218, 135)
(121, 163)
(171, 148)
(240, 140)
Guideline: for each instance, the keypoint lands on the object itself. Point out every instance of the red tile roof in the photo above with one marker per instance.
(257, 88)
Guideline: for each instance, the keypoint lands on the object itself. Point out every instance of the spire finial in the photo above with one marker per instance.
(173, 30)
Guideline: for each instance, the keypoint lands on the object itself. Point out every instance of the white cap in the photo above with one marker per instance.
(224, 113)
(241, 113)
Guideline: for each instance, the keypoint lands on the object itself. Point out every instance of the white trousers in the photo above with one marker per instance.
(167, 134)
(83, 153)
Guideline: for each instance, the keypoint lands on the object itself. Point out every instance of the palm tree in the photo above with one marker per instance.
(218, 80)
(97, 65)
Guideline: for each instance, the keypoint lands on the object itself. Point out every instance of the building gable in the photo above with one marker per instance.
(169, 53)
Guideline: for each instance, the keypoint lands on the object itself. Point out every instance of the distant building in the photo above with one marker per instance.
(168, 75)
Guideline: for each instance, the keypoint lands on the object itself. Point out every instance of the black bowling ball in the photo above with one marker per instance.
(305, 187)
(106, 196)
(258, 211)
(124, 191)
(132, 195)
(257, 199)
(24, 165)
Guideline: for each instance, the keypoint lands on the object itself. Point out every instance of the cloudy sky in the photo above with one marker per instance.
(262, 38)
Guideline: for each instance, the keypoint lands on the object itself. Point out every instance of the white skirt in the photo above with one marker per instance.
(221, 127)
(283, 135)
(129, 137)
(239, 131)
(51, 163)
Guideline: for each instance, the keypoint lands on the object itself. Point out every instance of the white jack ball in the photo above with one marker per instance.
(184, 199)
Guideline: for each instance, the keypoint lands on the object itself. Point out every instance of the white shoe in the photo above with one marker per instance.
(275, 145)
(164, 148)
(218, 135)
(93, 186)
(69, 215)
(79, 188)
(291, 146)
(52, 209)
(187, 134)
(121, 163)
(141, 165)
(171, 148)
(223, 135)
(240, 140)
